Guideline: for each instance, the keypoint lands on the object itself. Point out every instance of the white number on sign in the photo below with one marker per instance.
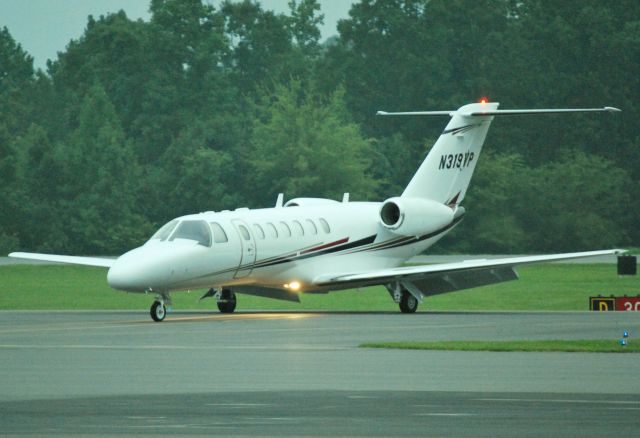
(632, 306)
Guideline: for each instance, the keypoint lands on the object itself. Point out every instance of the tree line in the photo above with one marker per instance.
(203, 108)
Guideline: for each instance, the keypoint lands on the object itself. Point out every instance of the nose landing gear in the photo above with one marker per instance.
(159, 308)
(158, 311)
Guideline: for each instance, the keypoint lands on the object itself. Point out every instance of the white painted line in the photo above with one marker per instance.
(446, 414)
(237, 405)
(544, 400)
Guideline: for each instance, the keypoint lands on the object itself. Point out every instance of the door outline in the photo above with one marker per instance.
(248, 251)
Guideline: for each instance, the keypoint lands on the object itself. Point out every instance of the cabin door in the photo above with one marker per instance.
(247, 248)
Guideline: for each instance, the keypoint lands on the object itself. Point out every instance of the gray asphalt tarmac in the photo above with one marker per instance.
(302, 374)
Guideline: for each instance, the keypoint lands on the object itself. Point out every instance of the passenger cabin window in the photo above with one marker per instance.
(193, 230)
(297, 228)
(258, 231)
(286, 231)
(219, 236)
(272, 230)
(325, 225)
(311, 227)
(164, 231)
(244, 232)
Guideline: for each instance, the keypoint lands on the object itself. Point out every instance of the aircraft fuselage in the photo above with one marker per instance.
(273, 247)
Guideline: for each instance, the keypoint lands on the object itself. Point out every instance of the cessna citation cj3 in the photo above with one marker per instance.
(316, 245)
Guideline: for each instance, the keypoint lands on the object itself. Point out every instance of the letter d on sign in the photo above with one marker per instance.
(602, 304)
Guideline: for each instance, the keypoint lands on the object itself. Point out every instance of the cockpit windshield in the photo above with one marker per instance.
(165, 231)
(193, 230)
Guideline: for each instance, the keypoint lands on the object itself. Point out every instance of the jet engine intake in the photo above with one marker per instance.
(414, 216)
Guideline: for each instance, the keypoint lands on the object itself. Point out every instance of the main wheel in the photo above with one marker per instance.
(158, 311)
(408, 303)
(227, 303)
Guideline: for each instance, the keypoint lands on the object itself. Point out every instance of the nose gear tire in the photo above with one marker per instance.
(158, 311)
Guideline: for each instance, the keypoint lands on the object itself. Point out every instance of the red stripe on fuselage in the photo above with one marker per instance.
(325, 246)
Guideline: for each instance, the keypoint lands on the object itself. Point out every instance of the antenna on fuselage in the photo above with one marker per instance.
(345, 198)
(280, 200)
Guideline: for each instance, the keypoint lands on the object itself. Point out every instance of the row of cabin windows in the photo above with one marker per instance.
(197, 230)
(283, 229)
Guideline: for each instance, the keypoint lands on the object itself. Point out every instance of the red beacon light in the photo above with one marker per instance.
(484, 100)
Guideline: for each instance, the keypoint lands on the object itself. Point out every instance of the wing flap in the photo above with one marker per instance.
(443, 283)
(74, 260)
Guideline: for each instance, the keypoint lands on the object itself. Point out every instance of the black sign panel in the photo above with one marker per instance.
(602, 304)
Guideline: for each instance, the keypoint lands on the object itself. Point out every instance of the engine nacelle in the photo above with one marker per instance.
(414, 216)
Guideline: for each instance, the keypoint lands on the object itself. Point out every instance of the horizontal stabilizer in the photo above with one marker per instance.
(73, 260)
(609, 109)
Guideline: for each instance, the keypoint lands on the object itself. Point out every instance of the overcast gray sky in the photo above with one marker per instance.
(45, 27)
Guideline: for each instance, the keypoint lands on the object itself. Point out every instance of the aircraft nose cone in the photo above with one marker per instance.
(137, 271)
(122, 277)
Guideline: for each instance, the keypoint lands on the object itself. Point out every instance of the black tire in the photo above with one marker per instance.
(158, 311)
(408, 303)
(227, 303)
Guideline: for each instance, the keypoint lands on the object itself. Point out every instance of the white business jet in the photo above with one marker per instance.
(314, 245)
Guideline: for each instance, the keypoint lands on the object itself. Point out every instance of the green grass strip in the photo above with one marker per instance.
(581, 346)
(547, 287)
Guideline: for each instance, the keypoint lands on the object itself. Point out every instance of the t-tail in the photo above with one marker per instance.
(445, 173)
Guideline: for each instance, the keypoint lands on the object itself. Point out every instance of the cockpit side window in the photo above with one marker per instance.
(165, 231)
(219, 236)
(193, 230)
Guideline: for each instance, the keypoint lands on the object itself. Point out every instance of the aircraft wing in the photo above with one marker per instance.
(448, 277)
(74, 260)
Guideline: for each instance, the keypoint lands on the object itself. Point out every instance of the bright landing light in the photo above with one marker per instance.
(294, 285)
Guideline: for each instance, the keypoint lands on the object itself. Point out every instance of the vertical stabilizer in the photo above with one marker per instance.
(445, 174)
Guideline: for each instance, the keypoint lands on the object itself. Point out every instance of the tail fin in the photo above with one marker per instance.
(445, 174)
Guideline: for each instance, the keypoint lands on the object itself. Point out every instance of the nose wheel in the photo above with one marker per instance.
(158, 311)
(159, 307)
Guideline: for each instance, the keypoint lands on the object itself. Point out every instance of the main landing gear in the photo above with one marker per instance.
(225, 298)
(408, 303)
(227, 301)
(406, 300)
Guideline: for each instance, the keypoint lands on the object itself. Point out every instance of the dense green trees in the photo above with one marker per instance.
(306, 146)
(206, 108)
